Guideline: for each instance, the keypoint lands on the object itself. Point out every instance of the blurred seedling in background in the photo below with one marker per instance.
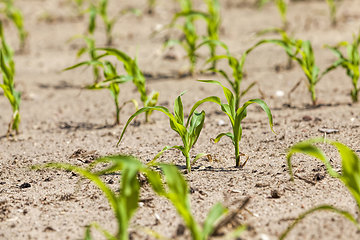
(190, 37)
(189, 135)
(351, 63)
(111, 82)
(14, 14)
(333, 9)
(282, 8)
(287, 42)
(112, 79)
(349, 176)
(100, 8)
(302, 52)
(151, 6)
(235, 115)
(89, 48)
(132, 69)
(237, 67)
(7, 67)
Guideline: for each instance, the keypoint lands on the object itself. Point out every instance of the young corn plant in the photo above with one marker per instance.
(7, 67)
(111, 82)
(132, 69)
(188, 29)
(332, 8)
(350, 175)
(213, 19)
(177, 192)
(235, 115)
(290, 45)
(124, 201)
(351, 63)
(301, 52)
(90, 48)
(312, 72)
(100, 8)
(189, 135)
(15, 15)
(112, 78)
(282, 8)
(236, 65)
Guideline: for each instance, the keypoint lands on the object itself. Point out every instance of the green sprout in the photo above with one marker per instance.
(15, 15)
(213, 20)
(350, 175)
(235, 115)
(112, 79)
(282, 8)
(90, 48)
(237, 67)
(189, 135)
(351, 63)
(177, 193)
(189, 42)
(7, 67)
(138, 78)
(302, 52)
(101, 8)
(190, 38)
(124, 201)
(332, 9)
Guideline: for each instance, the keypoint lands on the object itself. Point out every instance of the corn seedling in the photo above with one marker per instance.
(350, 175)
(332, 9)
(189, 135)
(188, 29)
(7, 67)
(290, 45)
(282, 8)
(112, 79)
(213, 20)
(124, 201)
(236, 65)
(138, 78)
(90, 48)
(351, 63)
(177, 192)
(15, 15)
(235, 115)
(100, 8)
(302, 52)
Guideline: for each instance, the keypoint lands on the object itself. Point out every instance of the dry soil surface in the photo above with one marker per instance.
(63, 122)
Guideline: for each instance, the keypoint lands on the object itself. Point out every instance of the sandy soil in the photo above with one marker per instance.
(59, 118)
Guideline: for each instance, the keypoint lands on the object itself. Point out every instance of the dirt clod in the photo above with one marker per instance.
(25, 185)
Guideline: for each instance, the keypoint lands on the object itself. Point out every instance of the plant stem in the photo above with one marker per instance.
(237, 155)
(188, 165)
(313, 94)
(117, 111)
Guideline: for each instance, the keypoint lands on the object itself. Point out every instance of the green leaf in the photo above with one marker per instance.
(196, 125)
(216, 212)
(315, 209)
(218, 137)
(180, 129)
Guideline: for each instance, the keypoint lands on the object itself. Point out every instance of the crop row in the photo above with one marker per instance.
(173, 187)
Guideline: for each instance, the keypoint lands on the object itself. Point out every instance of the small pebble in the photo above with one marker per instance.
(25, 185)
(279, 93)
